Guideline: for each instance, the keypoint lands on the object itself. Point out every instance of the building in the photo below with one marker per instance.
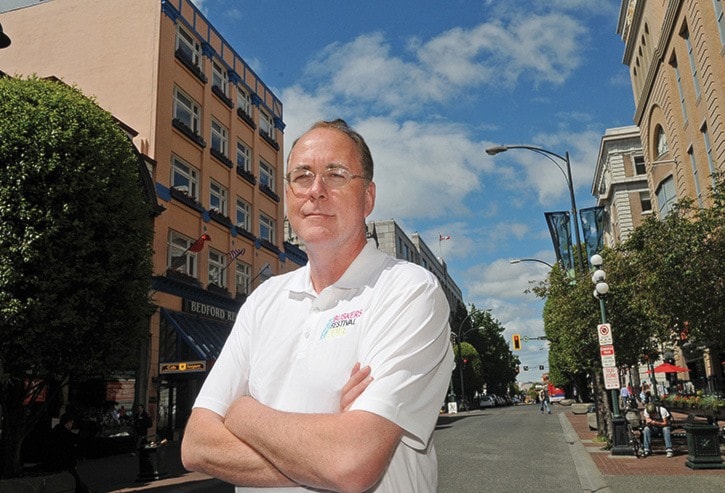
(620, 183)
(674, 51)
(211, 134)
(391, 239)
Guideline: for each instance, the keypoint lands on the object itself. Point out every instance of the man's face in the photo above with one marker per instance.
(321, 215)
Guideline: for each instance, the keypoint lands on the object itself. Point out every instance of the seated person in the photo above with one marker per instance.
(657, 422)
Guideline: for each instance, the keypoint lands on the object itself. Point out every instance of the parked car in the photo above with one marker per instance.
(486, 401)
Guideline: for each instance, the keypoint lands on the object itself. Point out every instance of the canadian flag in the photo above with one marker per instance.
(441, 237)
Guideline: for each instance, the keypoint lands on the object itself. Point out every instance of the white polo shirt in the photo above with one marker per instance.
(293, 350)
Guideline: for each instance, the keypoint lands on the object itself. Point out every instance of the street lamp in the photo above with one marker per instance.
(492, 151)
(460, 357)
(519, 260)
(619, 432)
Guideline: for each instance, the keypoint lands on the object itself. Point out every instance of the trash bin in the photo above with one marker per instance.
(703, 446)
(152, 459)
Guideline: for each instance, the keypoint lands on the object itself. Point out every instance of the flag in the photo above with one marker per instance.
(560, 229)
(199, 244)
(441, 237)
(234, 253)
(593, 225)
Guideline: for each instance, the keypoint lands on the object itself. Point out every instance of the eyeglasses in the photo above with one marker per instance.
(301, 179)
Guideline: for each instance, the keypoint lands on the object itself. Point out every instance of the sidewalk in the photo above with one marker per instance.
(653, 473)
(119, 473)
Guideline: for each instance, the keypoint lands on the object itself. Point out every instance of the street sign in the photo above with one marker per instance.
(607, 355)
(604, 331)
(611, 378)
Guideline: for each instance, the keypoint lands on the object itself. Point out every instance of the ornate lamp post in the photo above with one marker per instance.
(620, 444)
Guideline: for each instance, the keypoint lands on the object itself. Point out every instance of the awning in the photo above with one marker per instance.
(203, 335)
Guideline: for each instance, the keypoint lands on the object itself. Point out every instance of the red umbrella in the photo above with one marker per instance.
(669, 368)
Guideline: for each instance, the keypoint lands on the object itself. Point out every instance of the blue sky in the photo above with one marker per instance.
(432, 84)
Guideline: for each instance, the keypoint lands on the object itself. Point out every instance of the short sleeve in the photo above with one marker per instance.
(407, 346)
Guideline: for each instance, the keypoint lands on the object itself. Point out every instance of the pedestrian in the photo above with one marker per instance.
(141, 423)
(333, 374)
(61, 452)
(544, 398)
(657, 423)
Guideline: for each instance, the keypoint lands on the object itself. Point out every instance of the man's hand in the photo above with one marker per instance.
(359, 381)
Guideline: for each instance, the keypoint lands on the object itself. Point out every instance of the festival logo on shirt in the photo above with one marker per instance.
(337, 325)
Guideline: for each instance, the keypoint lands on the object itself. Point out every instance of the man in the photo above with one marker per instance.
(62, 451)
(657, 423)
(333, 375)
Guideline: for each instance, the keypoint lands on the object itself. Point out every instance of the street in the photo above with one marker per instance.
(504, 449)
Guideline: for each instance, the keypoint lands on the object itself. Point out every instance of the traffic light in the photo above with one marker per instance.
(517, 342)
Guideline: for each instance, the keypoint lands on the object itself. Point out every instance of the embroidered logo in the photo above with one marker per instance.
(337, 325)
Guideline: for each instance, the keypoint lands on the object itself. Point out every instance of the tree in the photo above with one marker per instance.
(75, 250)
(497, 360)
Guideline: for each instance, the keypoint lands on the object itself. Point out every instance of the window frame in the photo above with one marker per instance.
(219, 137)
(220, 77)
(187, 112)
(216, 267)
(266, 175)
(244, 101)
(266, 124)
(242, 275)
(218, 197)
(176, 242)
(243, 211)
(191, 45)
(266, 227)
(246, 152)
(189, 176)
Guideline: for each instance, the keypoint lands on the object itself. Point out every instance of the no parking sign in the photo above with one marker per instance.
(604, 331)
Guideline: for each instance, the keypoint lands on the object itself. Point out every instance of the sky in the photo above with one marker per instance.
(430, 85)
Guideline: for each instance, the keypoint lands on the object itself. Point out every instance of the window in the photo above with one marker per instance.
(691, 55)
(645, 202)
(639, 168)
(219, 134)
(708, 152)
(695, 176)
(218, 198)
(266, 228)
(244, 156)
(266, 175)
(242, 276)
(720, 19)
(179, 258)
(186, 110)
(661, 140)
(188, 46)
(266, 125)
(244, 101)
(243, 215)
(666, 197)
(678, 78)
(184, 177)
(219, 77)
(216, 268)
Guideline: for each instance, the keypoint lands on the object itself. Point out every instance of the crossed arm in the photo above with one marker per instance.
(255, 445)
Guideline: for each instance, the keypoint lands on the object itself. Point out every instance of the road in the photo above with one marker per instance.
(504, 449)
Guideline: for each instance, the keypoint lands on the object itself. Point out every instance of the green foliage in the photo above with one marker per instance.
(497, 361)
(75, 237)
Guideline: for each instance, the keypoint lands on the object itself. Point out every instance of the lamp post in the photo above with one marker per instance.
(619, 431)
(460, 359)
(492, 151)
